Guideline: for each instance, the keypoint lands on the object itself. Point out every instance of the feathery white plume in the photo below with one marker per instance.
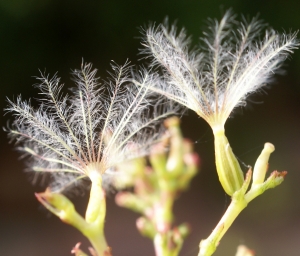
(212, 81)
(89, 132)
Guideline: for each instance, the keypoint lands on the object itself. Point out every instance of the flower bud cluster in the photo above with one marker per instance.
(156, 187)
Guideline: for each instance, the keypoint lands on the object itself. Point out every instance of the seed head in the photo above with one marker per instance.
(233, 62)
(89, 131)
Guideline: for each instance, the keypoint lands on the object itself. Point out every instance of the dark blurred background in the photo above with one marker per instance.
(56, 35)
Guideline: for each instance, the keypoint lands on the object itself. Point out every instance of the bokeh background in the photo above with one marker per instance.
(55, 35)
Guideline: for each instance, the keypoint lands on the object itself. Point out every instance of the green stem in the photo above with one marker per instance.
(161, 246)
(95, 217)
(209, 245)
(238, 203)
(99, 244)
(240, 200)
(163, 220)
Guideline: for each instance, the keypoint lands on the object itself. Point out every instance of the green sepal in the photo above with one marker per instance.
(229, 171)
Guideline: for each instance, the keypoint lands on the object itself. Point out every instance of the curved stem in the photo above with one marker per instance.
(209, 245)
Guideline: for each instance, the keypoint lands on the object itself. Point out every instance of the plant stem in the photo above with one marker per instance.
(209, 245)
(240, 200)
(95, 216)
(99, 244)
(161, 246)
(163, 219)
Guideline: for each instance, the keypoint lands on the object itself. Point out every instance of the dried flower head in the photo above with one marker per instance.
(88, 132)
(233, 63)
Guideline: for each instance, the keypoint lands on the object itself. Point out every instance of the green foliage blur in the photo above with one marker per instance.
(55, 35)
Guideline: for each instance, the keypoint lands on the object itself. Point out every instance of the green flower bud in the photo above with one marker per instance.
(131, 201)
(261, 165)
(146, 227)
(158, 159)
(175, 162)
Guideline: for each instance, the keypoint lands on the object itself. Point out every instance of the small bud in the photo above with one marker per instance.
(184, 230)
(175, 160)
(76, 250)
(145, 227)
(275, 179)
(242, 250)
(261, 165)
(131, 201)
(192, 162)
(229, 171)
(158, 159)
(128, 173)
